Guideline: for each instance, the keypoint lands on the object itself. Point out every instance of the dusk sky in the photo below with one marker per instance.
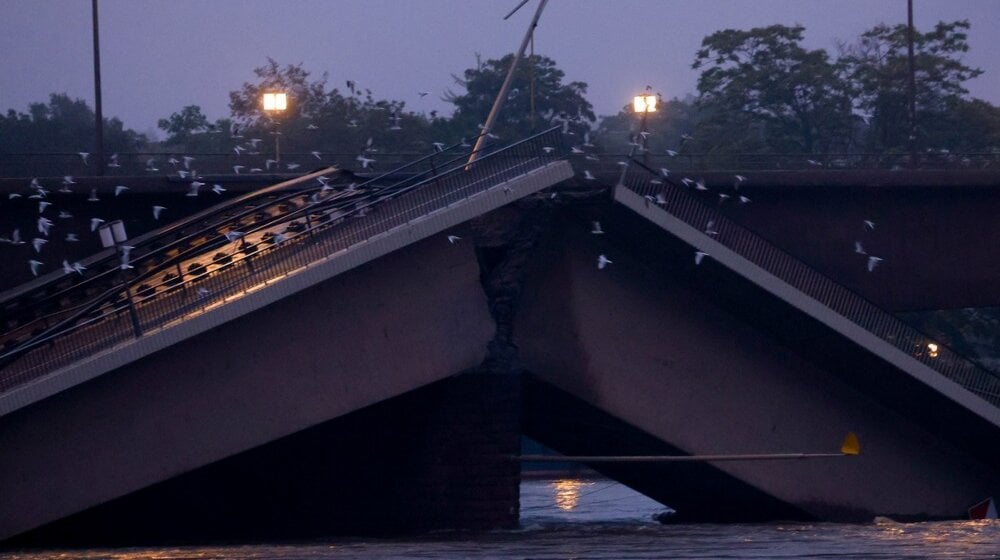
(158, 56)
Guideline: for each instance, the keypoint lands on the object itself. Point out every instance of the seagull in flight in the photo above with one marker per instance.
(37, 243)
(43, 225)
(602, 262)
(83, 156)
(423, 93)
(234, 235)
(316, 155)
(365, 161)
(587, 175)
(157, 210)
(120, 189)
(596, 228)
(873, 261)
(42, 205)
(94, 222)
(71, 237)
(859, 249)
(34, 266)
(218, 189)
(698, 256)
(236, 169)
(93, 196)
(869, 225)
(453, 239)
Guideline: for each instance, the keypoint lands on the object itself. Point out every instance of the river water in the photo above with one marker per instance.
(579, 519)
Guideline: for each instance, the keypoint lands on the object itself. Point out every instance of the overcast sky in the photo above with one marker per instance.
(160, 55)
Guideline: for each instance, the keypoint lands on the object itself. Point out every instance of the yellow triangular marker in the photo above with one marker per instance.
(851, 446)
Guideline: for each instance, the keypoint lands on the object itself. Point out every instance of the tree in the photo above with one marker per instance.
(190, 131)
(879, 69)
(538, 99)
(62, 125)
(668, 126)
(760, 90)
(324, 120)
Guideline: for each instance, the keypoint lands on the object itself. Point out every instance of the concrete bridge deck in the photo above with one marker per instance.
(654, 354)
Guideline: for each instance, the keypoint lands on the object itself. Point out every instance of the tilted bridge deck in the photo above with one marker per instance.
(112, 331)
(705, 228)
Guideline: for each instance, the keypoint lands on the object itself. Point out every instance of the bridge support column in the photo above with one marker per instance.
(437, 458)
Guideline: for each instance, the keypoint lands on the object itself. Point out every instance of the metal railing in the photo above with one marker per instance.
(207, 269)
(676, 200)
(157, 164)
(685, 161)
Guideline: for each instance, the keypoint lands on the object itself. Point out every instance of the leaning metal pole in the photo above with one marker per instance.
(98, 112)
(502, 95)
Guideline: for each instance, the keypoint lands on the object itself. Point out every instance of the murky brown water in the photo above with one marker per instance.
(604, 520)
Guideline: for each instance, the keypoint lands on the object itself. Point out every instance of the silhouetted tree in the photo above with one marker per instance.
(62, 125)
(536, 81)
(878, 67)
(761, 91)
(190, 131)
(324, 120)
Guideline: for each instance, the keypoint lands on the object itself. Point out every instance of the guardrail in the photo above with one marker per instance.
(675, 199)
(184, 279)
(159, 164)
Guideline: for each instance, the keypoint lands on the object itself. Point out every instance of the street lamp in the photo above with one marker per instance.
(644, 104)
(274, 104)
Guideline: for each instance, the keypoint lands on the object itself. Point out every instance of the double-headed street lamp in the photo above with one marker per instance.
(274, 104)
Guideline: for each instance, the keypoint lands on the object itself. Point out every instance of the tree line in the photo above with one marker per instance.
(759, 91)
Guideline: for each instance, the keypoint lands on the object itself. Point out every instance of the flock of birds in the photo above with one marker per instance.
(637, 142)
(49, 215)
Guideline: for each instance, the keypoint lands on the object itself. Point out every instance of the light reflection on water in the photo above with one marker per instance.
(608, 521)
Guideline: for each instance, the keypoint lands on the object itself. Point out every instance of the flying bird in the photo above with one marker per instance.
(292, 166)
(157, 210)
(602, 262)
(596, 228)
(120, 189)
(187, 161)
(869, 225)
(364, 161)
(42, 205)
(453, 239)
(316, 155)
(64, 215)
(698, 256)
(873, 261)
(234, 235)
(34, 266)
(43, 225)
(218, 189)
(588, 176)
(93, 196)
(84, 156)
(37, 243)
(94, 222)
(71, 237)
(236, 169)
(859, 249)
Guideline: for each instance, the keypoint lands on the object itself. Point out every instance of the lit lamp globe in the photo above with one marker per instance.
(644, 103)
(275, 102)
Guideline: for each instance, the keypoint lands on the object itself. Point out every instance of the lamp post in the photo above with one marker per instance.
(644, 105)
(274, 104)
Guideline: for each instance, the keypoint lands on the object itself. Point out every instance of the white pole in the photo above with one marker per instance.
(506, 84)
